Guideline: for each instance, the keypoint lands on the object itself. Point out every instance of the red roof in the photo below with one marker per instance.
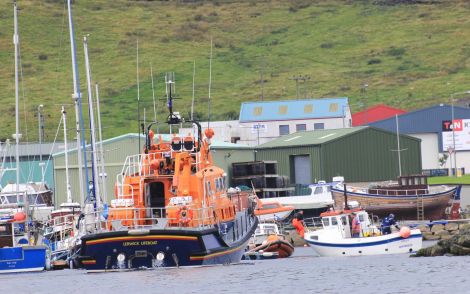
(374, 113)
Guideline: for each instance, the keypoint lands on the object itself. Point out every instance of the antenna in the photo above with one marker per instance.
(153, 96)
(138, 95)
(173, 117)
(192, 101)
(210, 82)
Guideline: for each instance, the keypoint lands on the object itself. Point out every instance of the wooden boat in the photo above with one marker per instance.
(407, 199)
(334, 239)
(268, 243)
(171, 208)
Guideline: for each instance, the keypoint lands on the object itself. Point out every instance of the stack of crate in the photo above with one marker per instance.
(262, 176)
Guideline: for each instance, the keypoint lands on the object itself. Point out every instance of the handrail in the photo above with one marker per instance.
(154, 218)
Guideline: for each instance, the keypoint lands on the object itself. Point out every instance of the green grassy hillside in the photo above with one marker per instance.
(410, 55)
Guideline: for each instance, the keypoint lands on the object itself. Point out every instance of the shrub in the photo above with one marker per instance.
(374, 61)
(393, 51)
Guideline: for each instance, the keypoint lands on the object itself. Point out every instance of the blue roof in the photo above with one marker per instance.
(425, 120)
(293, 109)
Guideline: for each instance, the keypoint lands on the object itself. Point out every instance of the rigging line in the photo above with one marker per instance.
(53, 144)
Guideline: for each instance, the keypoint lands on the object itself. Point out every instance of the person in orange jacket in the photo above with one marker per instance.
(298, 223)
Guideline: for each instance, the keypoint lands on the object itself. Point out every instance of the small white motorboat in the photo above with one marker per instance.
(319, 197)
(335, 238)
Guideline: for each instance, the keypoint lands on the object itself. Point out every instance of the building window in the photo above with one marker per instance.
(318, 126)
(257, 111)
(283, 109)
(308, 108)
(333, 107)
(234, 139)
(283, 130)
(300, 127)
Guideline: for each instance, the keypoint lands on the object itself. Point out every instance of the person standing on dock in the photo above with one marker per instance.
(298, 223)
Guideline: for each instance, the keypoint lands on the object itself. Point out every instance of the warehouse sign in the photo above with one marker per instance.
(258, 128)
(461, 134)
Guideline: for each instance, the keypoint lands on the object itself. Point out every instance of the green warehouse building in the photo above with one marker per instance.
(359, 154)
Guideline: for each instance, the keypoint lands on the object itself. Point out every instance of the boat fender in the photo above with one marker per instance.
(405, 232)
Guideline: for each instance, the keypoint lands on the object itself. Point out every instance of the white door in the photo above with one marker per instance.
(302, 169)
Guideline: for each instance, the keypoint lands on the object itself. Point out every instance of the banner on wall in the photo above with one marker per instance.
(461, 135)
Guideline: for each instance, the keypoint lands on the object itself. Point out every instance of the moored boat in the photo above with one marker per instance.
(19, 252)
(335, 238)
(272, 211)
(171, 209)
(268, 243)
(411, 198)
(318, 199)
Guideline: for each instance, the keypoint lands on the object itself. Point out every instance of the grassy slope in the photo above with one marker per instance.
(409, 55)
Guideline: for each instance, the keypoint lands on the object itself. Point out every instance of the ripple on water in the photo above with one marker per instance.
(304, 272)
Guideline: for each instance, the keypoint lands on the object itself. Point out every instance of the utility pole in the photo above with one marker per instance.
(298, 78)
(262, 80)
(364, 94)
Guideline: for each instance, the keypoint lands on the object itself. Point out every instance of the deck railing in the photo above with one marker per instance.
(147, 218)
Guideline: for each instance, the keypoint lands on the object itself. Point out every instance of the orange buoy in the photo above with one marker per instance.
(19, 217)
(405, 232)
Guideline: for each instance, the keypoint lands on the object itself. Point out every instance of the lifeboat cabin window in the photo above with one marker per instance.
(188, 144)
(176, 144)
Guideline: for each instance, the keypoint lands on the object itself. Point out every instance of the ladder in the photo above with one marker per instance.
(419, 207)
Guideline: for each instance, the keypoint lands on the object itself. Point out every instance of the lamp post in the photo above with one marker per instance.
(453, 129)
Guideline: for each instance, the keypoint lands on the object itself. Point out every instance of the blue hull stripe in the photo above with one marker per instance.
(362, 244)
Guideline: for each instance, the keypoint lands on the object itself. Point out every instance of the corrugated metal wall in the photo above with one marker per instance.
(362, 156)
(225, 157)
(284, 155)
(115, 153)
(368, 156)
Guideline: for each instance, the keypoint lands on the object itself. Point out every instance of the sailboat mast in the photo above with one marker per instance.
(81, 147)
(94, 166)
(67, 178)
(103, 170)
(16, 40)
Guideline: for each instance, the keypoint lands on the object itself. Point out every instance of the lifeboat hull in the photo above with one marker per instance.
(128, 250)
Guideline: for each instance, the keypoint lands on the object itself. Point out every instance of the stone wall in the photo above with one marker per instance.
(443, 232)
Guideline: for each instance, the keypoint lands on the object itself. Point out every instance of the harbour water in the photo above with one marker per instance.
(303, 273)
